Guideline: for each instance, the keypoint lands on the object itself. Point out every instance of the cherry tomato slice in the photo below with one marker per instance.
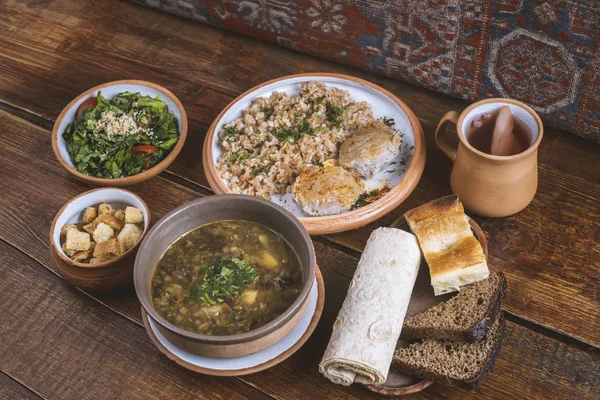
(143, 149)
(92, 101)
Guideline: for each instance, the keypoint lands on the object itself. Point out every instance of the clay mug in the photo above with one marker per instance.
(488, 185)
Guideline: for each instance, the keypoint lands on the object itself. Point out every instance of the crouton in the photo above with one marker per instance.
(111, 221)
(90, 228)
(248, 298)
(105, 209)
(129, 236)
(133, 216)
(89, 214)
(95, 260)
(64, 229)
(120, 214)
(82, 256)
(107, 249)
(78, 241)
(102, 233)
(67, 251)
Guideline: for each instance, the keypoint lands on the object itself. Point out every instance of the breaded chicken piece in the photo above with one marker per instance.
(370, 151)
(327, 190)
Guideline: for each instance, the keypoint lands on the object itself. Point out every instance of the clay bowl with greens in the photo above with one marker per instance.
(225, 276)
(120, 133)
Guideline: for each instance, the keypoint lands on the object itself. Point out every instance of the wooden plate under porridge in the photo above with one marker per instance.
(337, 151)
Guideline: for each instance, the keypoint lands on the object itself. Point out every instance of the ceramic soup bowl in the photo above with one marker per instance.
(211, 209)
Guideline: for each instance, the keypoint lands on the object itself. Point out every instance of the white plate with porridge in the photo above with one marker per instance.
(336, 151)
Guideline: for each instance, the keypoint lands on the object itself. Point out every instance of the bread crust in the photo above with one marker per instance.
(481, 329)
(466, 253)
(471, 383)
(476, 333)
(454, 255)
(440, 206)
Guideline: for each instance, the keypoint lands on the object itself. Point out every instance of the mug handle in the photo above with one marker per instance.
(450, 116)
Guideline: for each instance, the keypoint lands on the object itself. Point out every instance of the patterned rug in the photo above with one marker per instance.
(543, 52)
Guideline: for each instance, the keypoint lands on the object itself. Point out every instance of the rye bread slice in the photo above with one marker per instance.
(449, 362)
(466, 316)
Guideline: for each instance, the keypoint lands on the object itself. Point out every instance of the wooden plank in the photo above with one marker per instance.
(33, 197)
(79, 64)
(66, 345)
(529, 366)
(73, 42)
(550, 253)
(52, 324)
(13, 390)
(567, 286)
(33, 204)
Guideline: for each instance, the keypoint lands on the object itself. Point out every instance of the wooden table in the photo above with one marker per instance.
(60, 342)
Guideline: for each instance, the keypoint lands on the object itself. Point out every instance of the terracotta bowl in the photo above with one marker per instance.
(110, 90)
(383, 102)
(105, 275)
(217, 208)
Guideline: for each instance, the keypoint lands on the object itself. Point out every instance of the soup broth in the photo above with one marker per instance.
(226, 277)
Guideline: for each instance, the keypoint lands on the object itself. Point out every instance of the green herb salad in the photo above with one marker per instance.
(121, 136)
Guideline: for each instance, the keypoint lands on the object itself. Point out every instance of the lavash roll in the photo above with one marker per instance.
(368, 325)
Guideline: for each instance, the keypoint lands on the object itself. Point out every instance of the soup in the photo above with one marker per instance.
(226, 277)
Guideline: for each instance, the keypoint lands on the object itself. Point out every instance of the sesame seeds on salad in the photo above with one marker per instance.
(116, 125)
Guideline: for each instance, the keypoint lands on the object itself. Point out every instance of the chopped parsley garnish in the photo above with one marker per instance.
(389, 121)
(267, 112)
(239, 155)
(221, 279)
(316, 100)
(305, 128)
(262, 170)
(293, 133)
(369, 197)
(229, 132)
(335, 113)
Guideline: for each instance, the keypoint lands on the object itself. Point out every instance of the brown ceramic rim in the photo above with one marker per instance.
(129, 180)
(524, 106)
(257, 368)
(423, 384)
(104, 263)
(352, 219)
(241, 337)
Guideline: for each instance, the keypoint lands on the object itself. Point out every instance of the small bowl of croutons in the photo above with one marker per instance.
(95, 236)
